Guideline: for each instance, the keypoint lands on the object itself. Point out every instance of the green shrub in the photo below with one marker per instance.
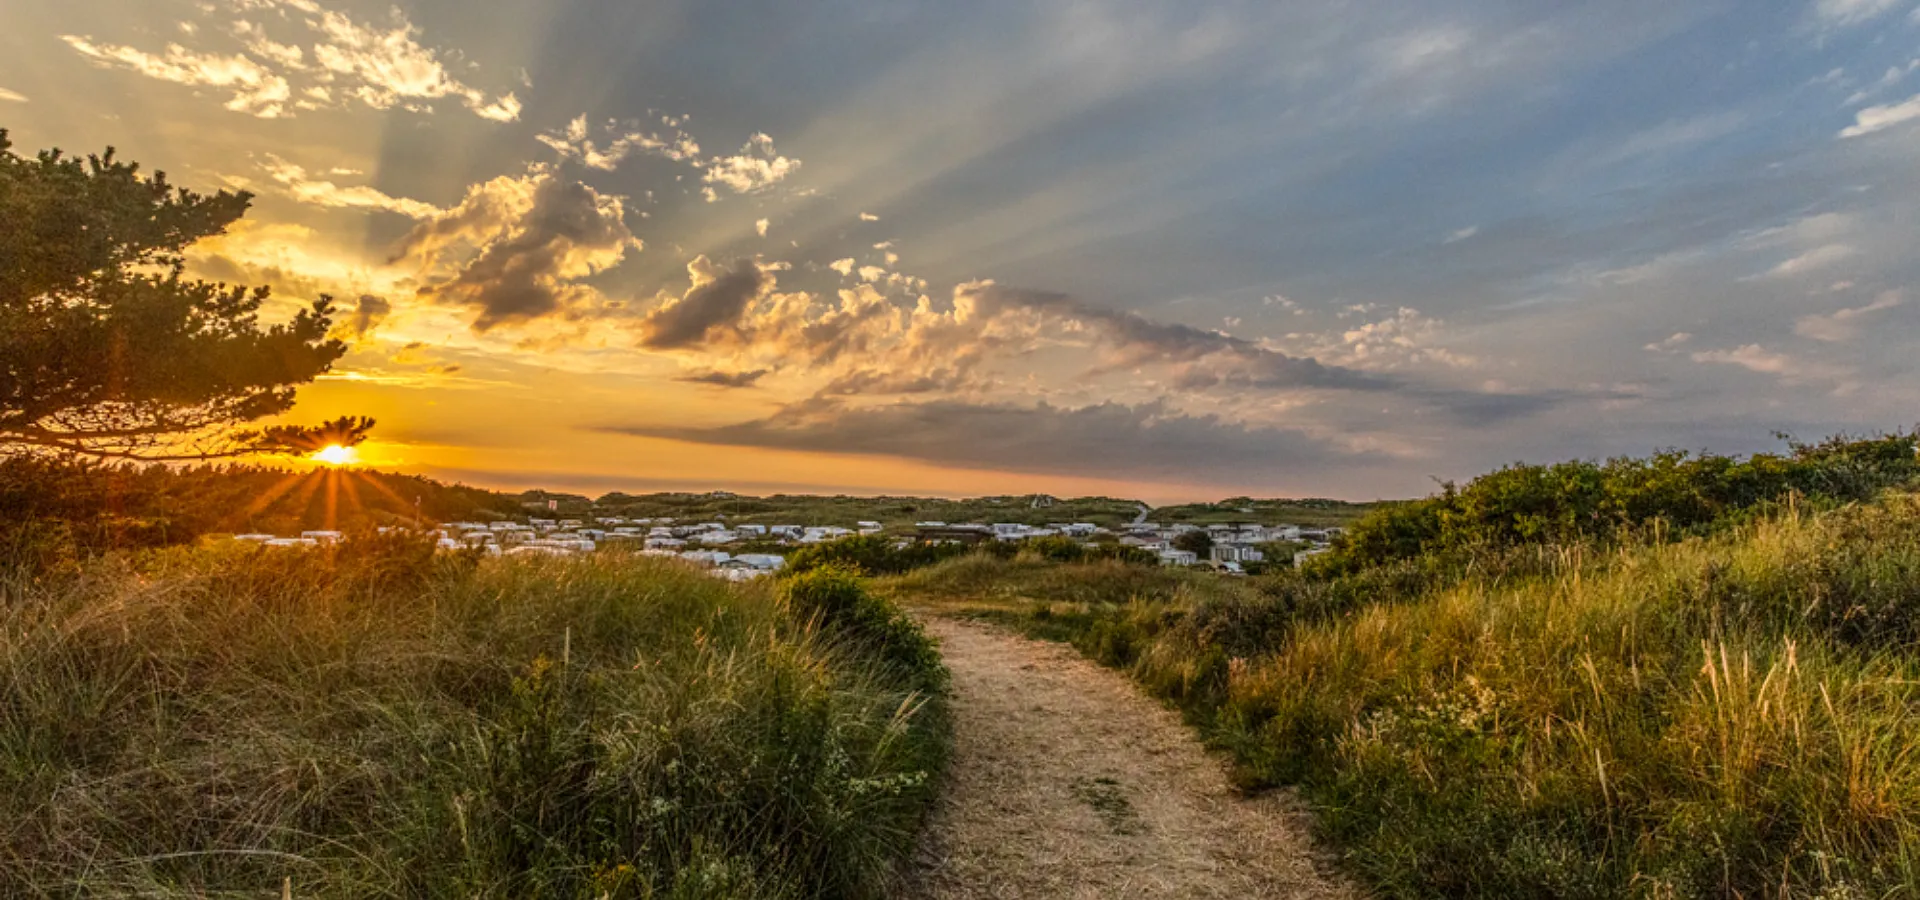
(871, 554)
(1675, 492)
(844, 607)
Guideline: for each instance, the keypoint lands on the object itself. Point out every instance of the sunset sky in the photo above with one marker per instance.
(1156, 248)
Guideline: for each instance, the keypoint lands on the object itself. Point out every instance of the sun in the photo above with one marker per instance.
(336, 455)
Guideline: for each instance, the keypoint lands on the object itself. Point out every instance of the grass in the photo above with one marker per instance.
(378, 721)
(1727, 716)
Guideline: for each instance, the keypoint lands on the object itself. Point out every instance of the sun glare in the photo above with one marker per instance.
(336, 455)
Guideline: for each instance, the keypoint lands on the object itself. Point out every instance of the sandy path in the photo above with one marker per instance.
(1067, 782)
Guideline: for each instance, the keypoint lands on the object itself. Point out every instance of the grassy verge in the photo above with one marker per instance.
(380, 722)
(1729, 716)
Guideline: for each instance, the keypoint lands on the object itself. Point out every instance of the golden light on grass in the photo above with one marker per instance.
(336, 455)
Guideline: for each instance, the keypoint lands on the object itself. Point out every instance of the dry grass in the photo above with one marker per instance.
(382, 722)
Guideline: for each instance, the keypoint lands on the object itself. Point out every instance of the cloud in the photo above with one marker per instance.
(1205, 358)
(756, 167)
(336, 59)
(1671, 343)
(1404, 337)
(1878, 118)
(1817, 258)
(367, 315)
(1852, 12)
(1790, 370)
(576, 143)
(1461, 235)
(391, 67)
(716, 302)
(843, 266)
(1111, 439)
(869, 217)
(287, 56)
(760, 227)
(1844, 324)
(7, 96)
(516, 247)
(257, 90)
(866, 344)
(726, 379)
(328, 194)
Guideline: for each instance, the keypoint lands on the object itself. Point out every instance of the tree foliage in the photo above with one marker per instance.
(1198, 543)
(108, 351)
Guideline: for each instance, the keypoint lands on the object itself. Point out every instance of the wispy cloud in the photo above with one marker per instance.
(1789, 370)
(335, 60)
(1670, 343)
(1843, 324)
(1880, 118)
(1817, 258)
(576, 143)
(1852, 12)
(725, 379)
(8, 96)
(326, 193)
(257, 90)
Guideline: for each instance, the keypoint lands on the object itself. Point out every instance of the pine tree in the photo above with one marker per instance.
(108, 351)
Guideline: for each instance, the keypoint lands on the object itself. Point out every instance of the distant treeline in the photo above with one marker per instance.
(101, 506)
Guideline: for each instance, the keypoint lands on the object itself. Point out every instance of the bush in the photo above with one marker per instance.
(871, 554)
(1673, 492)
(843, 606)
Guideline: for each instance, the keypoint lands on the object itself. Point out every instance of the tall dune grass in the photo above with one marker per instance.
(1733, 716)
(383, 722)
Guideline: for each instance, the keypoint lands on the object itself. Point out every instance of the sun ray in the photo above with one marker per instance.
(330, 515)
(354, 504)
(266, 499)
(407, 506)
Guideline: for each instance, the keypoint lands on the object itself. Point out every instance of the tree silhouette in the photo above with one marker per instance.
(107, 351)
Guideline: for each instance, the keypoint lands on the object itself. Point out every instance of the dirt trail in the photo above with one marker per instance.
(1067, 782)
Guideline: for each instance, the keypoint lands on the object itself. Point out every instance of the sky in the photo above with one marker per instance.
(1164, 249)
